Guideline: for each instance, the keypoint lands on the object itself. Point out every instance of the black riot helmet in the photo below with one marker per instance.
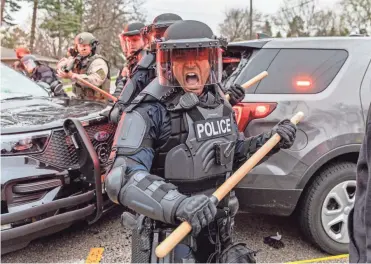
(132, 29)
(189, 56)
(155, 31)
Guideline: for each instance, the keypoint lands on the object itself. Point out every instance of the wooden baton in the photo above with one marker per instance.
(184, 228)
(95, 88)
(252, 81)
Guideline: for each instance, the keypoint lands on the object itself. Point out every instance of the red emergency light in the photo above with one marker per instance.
(303, 83)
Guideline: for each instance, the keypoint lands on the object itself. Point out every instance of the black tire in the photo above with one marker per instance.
(137, 255)
(311, 205)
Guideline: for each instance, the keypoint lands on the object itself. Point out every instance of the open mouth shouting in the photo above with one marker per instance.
(192, 80)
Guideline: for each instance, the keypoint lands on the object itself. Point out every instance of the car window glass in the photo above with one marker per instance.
(13, 82)
(258, 63)
(307, 71)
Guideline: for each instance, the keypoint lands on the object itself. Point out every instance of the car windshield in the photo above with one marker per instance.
(15, 84)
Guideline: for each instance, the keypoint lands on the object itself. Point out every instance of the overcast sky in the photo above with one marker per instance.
(210, 12)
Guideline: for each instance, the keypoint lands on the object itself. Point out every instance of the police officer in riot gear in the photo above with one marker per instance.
(132, 46)
(143, 71)
(43, 75)
(17, 65)
(176, 143)
(86, 65)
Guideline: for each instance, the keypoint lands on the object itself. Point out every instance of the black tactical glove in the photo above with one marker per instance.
(113, 112)
(287, 131)
(198, 210)
(236, 93)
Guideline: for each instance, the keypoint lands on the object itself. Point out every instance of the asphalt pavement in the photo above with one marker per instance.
(74, 244)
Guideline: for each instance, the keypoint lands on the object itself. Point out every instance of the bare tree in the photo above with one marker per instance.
(325, 23)
(33, 25)
(296, 17)
(13, 37)
(236, 24)
(105, 19)
(7, 8)
(357, 13)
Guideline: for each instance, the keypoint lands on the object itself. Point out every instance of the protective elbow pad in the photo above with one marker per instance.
(151, 196)
(115, 179)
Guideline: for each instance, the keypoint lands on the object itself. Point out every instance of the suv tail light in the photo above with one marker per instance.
(245, 112)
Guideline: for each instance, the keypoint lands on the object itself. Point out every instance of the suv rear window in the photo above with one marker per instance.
(294, 71)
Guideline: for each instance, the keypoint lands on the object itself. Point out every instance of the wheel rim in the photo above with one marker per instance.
(335, 211)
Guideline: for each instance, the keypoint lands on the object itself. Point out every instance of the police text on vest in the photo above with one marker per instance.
(212, 128)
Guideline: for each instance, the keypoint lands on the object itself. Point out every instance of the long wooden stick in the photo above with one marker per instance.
(183, 229)
(95, 88)
(252, 81)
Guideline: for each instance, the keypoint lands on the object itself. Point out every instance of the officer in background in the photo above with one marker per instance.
(43, 75)
(86, 65)
(124, 71)
(153, 33)
(360, 216)
(17, 65)
(176, 143)
(144, 71)
(132, 46)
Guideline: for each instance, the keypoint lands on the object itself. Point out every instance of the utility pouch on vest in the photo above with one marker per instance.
(224, 153)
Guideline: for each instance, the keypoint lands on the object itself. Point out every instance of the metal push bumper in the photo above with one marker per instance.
(18, 237)
(90, 203)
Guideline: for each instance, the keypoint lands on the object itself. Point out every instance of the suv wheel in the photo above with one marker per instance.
(326, 206)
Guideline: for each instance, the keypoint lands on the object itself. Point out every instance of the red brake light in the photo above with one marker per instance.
(245, 112)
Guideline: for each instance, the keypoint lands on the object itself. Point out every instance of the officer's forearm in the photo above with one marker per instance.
(142, 192)
(119, 87)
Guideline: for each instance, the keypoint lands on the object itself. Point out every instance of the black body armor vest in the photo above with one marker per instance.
(199, 152)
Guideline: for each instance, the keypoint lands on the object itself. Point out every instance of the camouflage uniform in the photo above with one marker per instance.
(95, 70)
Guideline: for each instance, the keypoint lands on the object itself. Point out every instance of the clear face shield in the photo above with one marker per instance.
(123, 43)
(190, 68)
(29, 65)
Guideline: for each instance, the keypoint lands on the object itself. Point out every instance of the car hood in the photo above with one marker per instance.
(35, 113)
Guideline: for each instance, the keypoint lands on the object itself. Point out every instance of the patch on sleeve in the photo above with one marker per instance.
(101, 73)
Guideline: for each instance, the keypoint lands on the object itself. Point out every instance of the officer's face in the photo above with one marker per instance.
(84, 49)
(191, 69)
(134, 43)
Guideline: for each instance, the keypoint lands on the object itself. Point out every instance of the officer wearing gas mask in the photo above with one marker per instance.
(176, 143)
(43, 75)
(86, 65)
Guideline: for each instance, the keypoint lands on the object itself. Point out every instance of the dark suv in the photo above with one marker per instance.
(329, 79)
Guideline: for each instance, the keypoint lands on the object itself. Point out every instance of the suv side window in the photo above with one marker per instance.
(302, 71)
(259, 61)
